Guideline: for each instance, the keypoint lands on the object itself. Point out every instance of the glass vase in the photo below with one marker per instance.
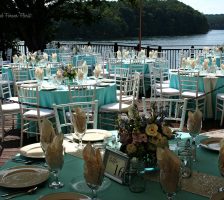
(136, 175)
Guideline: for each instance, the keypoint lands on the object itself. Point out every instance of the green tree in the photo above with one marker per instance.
(35, 19)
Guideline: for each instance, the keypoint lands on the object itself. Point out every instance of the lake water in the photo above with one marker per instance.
(213, 37)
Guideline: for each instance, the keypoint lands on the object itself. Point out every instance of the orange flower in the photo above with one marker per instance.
(151, 129)
(131, 148)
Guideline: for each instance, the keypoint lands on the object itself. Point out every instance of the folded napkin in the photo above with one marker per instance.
(55, 153)
(194, 121)
(205, 63)
(79, 120)
(170, 166)
(119, 54)
(93, 165)
(59, 73)
(39, 73)
(15, 58)
(85, 67)
(97, 71)
(47, 133)
(80, 74)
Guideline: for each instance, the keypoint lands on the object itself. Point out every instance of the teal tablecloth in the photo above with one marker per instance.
(104, 95)
(73, 167)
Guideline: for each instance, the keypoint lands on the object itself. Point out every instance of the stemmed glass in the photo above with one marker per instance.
(170, 184)
(193, 135)
(94, 188)
(79, 130)
(55, 165)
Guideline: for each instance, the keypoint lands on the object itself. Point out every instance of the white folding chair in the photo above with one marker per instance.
(113, 63)
(173, 110)
(30, 110)
(129, 91)
(64, 124)
(8, 109)
(158, 76)
(219, 106)
(188, 84)
(138, 65)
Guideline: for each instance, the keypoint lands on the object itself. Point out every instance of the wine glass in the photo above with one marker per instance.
(79, 131)
(95, 186)
(55, 165)
(170, 183)
(193, 134)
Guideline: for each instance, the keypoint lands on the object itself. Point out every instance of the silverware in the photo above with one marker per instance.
(16, 194)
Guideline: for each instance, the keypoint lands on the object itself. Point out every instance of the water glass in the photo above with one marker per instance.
(185, 155)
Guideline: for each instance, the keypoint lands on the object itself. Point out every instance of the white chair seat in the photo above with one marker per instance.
(43, 113)
(114, 107)
(13, 99)
(191, 94)
(220, 96)
(10, 107)
(168, 91)
(163, 85)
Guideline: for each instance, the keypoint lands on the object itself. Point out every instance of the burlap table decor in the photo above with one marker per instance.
(199, 183)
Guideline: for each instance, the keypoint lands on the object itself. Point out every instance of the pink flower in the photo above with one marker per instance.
(138, 138)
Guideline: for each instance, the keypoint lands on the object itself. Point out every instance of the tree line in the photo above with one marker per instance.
(216, 21)
(121, 20)
(41, 21)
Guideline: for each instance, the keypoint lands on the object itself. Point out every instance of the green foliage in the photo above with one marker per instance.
(121, 19)
(216, 21)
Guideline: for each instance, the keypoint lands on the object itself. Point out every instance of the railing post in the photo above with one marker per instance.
(159, 51)
(192, 52)
(115, 47)
(147, 51)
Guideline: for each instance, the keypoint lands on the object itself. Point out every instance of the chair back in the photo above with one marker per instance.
(171, 109)
(5, 88)
(188, 82)
(120, 74)
(81, 93)
(113, 63)
(20, 74)
(129, 90)
(137, 65)
(158, 77)
(29, 97)
(62, 111)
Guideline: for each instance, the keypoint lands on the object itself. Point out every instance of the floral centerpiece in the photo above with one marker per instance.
(140, 135)
(69, 72)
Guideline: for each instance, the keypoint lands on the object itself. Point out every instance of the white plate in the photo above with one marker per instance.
(32, 151)
(107, 80)
(103, 84)
(23, 176)
(29, 81)
(211, 143)
(93, 135)
(64, 196)
(48, 87)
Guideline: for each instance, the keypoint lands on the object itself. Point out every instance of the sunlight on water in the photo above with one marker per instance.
(213, 37)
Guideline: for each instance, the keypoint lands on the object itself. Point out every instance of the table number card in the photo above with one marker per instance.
(116, 164)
